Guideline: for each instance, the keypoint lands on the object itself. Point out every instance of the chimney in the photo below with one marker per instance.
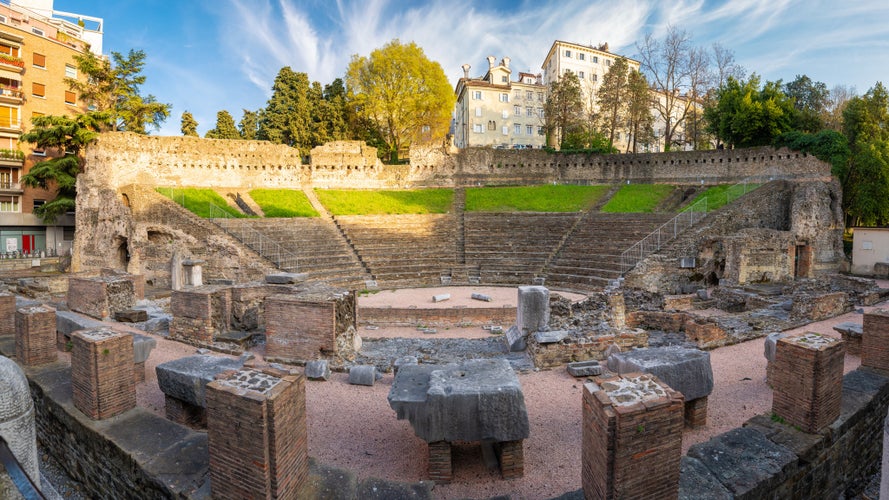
(491, 60)
(505, 62)
(466, 71)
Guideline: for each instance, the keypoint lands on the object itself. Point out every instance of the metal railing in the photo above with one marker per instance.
(24, 483)
(688, 217)
(260, 243)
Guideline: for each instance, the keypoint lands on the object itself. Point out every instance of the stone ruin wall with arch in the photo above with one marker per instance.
(122, 224)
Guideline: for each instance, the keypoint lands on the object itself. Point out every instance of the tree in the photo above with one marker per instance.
(640, 121)
(866, 185)
(836, 103)
(66, 136)
(287, 117)
(725, 66)
(613, 98)
(115, 88)
(667, 65)
(189, 125)
(562, 108)
(249, 125)
(746, 115)
(810, 100)
(403, 93)
(225, 127)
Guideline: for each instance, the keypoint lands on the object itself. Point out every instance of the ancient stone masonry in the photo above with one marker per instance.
(101, 296)
(102, 373)
(35, 335)
(300, 328)
(632, 438)
(256, 425)
(808, 380)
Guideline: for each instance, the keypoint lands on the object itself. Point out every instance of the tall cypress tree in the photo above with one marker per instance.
(287, 117)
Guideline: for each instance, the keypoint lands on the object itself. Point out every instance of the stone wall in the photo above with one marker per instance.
(455, 316)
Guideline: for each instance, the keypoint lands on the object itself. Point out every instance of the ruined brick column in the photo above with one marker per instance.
(256, 426)
(875, 339)
(441, 469)
(35, 335)
(632, 438)
(7, 313)
(102, 372)
(808, 380)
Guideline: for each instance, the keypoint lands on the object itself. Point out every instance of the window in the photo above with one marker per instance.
(529, 111)
(3, 19)
(39, 203)
(529, 95)
(37, 31)
(581, 75)
(595, 59)
(504, 79)
(477, 95)
(608, 62)
(594, 77)
(9, 117)
(567, 53)
(517, 110)
(478, 128)
(529, 129)
(581, 56)
(9, 203)
(39, 60)
(540, 131)
(71, 98)
(505, 114)
(517, 128)
(9, 50)
(540, 112)
(478, 111)
(504, 97)
(505, 130)
(70, 71)
(38, 89)
(492, 125)
(540, 96)
(37, 152)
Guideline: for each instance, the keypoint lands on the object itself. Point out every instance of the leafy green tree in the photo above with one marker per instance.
(639, 118)
(866, 185)
(563, 109)
(225, 127)
(67, 137)
(115, 88)
(287, 117)
(614, 98)
(810, 99)
(189, 125)
(249, 125)
(746, 115)
(407, 96)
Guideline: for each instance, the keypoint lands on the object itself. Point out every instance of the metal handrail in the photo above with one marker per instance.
(686, 218)
(263, 245)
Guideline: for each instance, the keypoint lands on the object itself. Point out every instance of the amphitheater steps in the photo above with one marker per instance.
(460, 216)
(326, 215)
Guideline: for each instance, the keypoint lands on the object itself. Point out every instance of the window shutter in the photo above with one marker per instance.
(39, 60)
(38, 89)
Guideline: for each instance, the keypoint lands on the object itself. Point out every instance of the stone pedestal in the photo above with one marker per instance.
(532, 312)
(298, 329)
(35, 335)
(256, 427)
(632, 438)
(199, 314)
(875, 340)
(808, 380)
(102, 372)
(102, 296)
(7, 313)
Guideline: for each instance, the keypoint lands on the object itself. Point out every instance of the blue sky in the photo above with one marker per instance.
(208, 55)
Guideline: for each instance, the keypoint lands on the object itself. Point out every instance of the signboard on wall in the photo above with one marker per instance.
(12, 244)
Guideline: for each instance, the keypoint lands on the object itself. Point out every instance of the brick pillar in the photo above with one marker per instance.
(440, 469)
(696, 413)
(7, 313)
(632, 438)
(102, 372)
(35, 335)
(808, 380)
(512, 459)
(256, 426)
(875, 339)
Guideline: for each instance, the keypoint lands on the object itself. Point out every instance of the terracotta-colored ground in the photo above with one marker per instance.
(353, 426)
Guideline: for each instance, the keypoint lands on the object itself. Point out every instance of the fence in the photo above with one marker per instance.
(260, 243)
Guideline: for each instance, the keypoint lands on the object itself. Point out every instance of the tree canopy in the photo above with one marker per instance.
(563, 109)
(225, 127)
(747, 114)
(406, 96)
(114, 88)
(189, 126)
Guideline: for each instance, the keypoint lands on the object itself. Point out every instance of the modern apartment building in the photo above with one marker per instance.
(37, 49)
(497, 111)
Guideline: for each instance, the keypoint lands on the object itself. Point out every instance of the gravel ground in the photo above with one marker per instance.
(353, 426)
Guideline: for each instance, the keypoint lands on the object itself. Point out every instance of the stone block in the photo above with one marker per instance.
(102, 378)
(585, 369)
(477, 400)
(286, 278)
(363, 375)
(186, 378)
(550, 337)
(852, 334)
(35, 335)
(678, 302)
(131, 316)
(515, 339)
(298, 329)
(482, 297)
(102, 296)
(404, 361)
(68, 322)
(685, 370)
(532, 312)
(142, 347)
(317, 370)
(771, 344)
(441, 297)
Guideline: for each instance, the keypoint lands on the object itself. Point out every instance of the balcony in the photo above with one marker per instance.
(11, 95)
(12, 63)
(11, 158)
(10, 188)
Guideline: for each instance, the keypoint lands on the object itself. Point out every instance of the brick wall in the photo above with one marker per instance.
(402, 316)
(591, 348)
(875, 340)
(199, 314)
(7, 313)
(297, 329)
(101, 296)
(35, 335)
(102, 373)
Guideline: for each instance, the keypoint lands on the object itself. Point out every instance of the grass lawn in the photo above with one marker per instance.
(637, 198)
(546, 198)
(199, 201)
(412, 201)
(283, 203)
(717, 196)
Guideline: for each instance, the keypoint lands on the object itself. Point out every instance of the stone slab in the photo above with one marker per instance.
(515, 339)
(186, 378)
(131, 316)
(317, 370)
(551, 337)
(68, 322)
(685, 370)
(771, 344)
(477, 400)
(585, 369)
(285, 278)
(696, 482)
(850, 328)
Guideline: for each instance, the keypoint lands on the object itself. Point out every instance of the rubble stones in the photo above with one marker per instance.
(317, 370)
(685, 370)
(363, 375)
